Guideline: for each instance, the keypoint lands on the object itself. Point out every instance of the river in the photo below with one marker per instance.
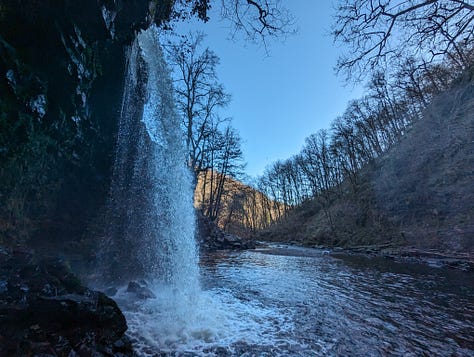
(288, 301)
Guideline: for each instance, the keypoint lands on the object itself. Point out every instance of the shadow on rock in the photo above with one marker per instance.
(44, 310)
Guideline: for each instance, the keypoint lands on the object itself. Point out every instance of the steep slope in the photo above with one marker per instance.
(233, 206)
(420, 193)
(426, 184)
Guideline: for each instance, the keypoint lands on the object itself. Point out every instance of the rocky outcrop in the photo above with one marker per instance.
(44, 310)
(211, 237)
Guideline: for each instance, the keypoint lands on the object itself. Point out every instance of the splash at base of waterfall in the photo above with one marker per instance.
(172, 321)
(210, 323)
(307, 303)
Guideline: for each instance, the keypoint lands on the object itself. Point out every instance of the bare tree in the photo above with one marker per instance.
(199, 95)
(317, 162)
(379, 31)
(344, 147)
(225, 161)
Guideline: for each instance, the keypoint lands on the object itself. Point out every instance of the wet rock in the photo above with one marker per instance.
(110, 291)
(223, 241)
(122, 344)
(140, 290)
(45, 311)
(212, 237)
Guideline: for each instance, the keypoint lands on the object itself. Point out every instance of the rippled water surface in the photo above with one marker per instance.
(283, 301)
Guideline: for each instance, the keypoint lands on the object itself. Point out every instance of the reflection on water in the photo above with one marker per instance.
(301, 302)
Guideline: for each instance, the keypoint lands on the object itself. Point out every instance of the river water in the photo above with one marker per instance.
(287, 301)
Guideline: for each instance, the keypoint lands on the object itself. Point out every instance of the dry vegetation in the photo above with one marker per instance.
(419, 193)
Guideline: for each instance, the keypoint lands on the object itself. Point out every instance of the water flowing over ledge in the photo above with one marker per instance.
(151, 216)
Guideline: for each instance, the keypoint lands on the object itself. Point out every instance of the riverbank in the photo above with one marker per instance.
(211, 238)
(390, 252)
(431, 257)
(414, 201)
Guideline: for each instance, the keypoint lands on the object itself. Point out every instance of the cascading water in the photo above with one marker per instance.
(151, 211)
(151, 216)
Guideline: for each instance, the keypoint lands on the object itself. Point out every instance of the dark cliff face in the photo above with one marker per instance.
(61, 73)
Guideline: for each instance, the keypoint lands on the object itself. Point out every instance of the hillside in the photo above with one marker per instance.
(234, 206)
(420, 193)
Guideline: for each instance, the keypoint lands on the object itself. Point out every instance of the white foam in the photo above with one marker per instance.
(178, 322)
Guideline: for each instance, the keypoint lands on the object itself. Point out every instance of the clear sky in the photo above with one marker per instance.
(280, 99)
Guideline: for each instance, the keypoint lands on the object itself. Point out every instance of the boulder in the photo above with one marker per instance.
(140, 291)
(44, 310)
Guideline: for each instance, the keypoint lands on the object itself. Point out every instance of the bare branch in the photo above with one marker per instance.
(388, 30)
(257, 20)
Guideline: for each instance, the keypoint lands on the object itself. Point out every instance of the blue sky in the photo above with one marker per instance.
(280, 99)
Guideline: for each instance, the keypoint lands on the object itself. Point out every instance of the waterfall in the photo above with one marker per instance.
(151, 215)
